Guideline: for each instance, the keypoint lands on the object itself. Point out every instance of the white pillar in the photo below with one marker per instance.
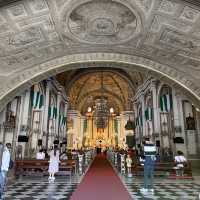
(46, 109)
(143, 114)
(26, 104)
(58, 112)
(119, 130)
(65, 126)
(175, 109)
(24, 116)
(156, 118)
(2, 120)
(191, 135)
(181, 147)
(137, 133)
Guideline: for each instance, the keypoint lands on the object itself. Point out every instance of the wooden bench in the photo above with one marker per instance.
(40, 167)
(163, 169)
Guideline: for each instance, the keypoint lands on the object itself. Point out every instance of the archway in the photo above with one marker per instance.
(40, 72)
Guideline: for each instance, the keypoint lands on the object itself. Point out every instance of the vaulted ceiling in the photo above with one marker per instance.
(39, 38)
(83, 86)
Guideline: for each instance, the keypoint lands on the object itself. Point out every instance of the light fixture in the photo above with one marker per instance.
(101, 111)
(111, 110)
(197, 109)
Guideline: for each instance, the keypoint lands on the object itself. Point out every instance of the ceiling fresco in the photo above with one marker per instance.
(39, 36)
(84, 87)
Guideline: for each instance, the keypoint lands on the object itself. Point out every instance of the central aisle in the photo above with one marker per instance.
(101, 183)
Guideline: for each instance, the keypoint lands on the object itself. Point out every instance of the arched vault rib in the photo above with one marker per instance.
(124, 99)
(25, 79)
(114, 70)
(80, 89)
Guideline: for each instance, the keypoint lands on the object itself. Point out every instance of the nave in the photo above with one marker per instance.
(101, 182)
(105, 74)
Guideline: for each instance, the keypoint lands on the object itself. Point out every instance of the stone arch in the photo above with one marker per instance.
(20, 81)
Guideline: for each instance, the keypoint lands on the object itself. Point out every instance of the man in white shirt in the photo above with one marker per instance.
(180, 161)
(5, 163)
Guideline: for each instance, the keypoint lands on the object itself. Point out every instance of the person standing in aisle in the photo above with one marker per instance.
(149, 165)
(53, 163)
(5, 165)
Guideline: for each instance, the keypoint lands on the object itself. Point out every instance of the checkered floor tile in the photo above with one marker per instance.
(164, 190)
(63, 187)
(41, 189)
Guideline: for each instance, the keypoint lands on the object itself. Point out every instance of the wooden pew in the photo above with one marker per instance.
(164, 169)
(35, 167)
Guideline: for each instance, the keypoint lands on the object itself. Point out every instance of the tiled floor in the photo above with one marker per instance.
(164, 189)
(40, 188)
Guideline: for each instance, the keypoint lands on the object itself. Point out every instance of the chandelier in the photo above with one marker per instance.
(101, 113)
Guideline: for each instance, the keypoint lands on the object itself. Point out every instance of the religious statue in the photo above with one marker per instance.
(190, 123)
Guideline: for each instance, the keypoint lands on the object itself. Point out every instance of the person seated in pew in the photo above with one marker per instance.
(180, 162)
(63, 156)
(40, 155)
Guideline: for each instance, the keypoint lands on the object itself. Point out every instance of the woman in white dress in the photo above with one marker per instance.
(53, 163)
(129, 163)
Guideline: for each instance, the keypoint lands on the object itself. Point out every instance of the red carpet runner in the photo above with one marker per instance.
(101, 183)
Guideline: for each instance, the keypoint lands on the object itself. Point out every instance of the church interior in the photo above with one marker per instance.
(95, 78)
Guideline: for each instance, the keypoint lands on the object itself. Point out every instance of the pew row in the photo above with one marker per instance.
(164, 169)
(40, 167)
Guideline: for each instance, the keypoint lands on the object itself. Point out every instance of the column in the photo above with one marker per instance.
(175, 110)
(2, 120)
(24, 121)
(46, 122)
(119, 130)
(177, 120)
(143, 114)
(58, 112)
(191, 135)
(181, 117)
(64, 128)
(137, 133)
(89, 129)
(156, 119)
(13, 136)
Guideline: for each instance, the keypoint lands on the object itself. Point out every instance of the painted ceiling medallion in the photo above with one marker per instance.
(102, 22)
